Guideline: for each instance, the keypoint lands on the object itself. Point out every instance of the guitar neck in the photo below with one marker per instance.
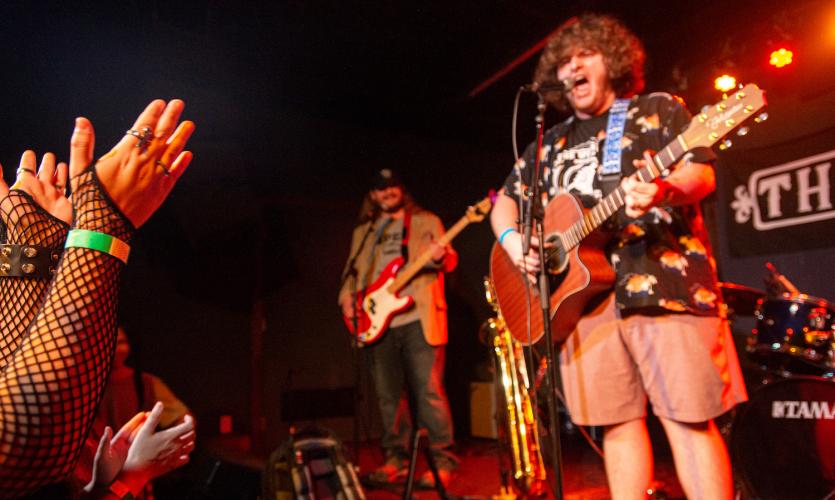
(612, 202)
(409, 272)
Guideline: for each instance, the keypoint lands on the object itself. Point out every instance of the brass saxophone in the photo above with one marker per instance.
(522, 435)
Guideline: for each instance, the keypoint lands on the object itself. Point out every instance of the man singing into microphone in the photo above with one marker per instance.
(658, 335)
(410, 355)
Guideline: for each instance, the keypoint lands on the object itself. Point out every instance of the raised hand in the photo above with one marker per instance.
(142, 168)
(45, 184)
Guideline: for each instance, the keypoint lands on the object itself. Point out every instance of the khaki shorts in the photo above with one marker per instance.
(686, 365)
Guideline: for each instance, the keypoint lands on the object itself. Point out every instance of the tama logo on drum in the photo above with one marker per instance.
(809, 410)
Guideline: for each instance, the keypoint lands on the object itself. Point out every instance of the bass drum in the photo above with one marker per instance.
(783, 440)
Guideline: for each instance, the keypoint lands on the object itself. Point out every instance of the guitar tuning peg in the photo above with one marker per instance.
(726, 144)
(743, 131)
(762, 117)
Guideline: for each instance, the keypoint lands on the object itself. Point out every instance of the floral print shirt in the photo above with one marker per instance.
(662, 260)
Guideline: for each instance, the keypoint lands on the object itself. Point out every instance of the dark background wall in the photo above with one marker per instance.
(296, 103)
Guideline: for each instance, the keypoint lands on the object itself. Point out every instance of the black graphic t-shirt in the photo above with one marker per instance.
(662, 260)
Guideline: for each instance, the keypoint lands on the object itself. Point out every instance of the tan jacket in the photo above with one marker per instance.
(427, 287)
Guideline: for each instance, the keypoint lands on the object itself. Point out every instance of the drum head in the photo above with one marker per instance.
(784, 440)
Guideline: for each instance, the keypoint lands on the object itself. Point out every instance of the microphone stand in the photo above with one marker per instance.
(534, 212)
(351, 270)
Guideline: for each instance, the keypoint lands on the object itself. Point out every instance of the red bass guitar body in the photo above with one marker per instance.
(376, 305)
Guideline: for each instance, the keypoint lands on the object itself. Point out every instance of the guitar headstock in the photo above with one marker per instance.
(479, 211)
(715, 122)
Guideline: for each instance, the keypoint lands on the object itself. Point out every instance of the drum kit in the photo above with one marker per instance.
(783, 439)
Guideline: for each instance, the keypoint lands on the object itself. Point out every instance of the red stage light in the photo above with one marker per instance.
(725, 83)
(781, 57)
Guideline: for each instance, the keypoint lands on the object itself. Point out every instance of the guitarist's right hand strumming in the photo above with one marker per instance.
(503, 220)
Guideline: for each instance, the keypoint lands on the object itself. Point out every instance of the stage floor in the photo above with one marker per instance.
(478, 476)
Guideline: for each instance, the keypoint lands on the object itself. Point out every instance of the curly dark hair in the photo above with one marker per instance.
(623, 54)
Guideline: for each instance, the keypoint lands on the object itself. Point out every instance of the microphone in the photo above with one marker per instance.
(564, 85)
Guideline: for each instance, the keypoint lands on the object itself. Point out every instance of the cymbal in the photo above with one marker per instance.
(740, 299)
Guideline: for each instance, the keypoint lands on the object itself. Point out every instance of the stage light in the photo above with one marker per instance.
(781, 57)
(725, 83)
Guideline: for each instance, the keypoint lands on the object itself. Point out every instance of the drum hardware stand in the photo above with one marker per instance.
(533, 217)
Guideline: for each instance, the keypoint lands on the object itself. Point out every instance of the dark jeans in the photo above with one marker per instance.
(401, 361)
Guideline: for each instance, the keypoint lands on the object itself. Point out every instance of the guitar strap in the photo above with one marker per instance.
(404, 244)
(614, 134)
(610, 174)
(407, 221)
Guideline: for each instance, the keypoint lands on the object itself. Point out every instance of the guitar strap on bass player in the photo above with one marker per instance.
(404, 249)
(404, 243)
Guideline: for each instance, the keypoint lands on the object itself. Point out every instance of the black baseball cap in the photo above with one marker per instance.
(385, 178)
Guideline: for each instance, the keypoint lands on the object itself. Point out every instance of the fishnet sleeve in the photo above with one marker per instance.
(50, 390)
(24, 222)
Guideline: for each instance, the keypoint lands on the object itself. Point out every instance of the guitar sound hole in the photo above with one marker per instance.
(556, 257)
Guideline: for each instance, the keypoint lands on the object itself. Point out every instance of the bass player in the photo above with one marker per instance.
(658, 335)
(410, 355)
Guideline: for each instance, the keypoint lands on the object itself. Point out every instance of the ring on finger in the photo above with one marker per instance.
(60, 187)
(165, 168)
(20, 170)
(145, 135)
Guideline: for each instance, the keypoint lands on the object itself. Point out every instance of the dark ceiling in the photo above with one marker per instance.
(277, 84)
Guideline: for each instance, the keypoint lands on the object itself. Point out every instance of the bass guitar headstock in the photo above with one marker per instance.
(477, 212)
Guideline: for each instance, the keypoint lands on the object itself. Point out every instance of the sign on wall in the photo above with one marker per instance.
(779, 207)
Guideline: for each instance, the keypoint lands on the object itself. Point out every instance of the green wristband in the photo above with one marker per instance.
(82, 238)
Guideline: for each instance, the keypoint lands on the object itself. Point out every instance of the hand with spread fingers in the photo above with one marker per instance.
(113, 451)
(142, 168)
(46, 185)
(154, 453)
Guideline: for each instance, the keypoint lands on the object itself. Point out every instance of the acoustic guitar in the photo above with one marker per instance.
(577, 266)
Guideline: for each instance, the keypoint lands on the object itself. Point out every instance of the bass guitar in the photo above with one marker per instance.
(377, 304)
(577, 265)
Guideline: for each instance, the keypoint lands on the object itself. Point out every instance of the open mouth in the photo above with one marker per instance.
(580, 80)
